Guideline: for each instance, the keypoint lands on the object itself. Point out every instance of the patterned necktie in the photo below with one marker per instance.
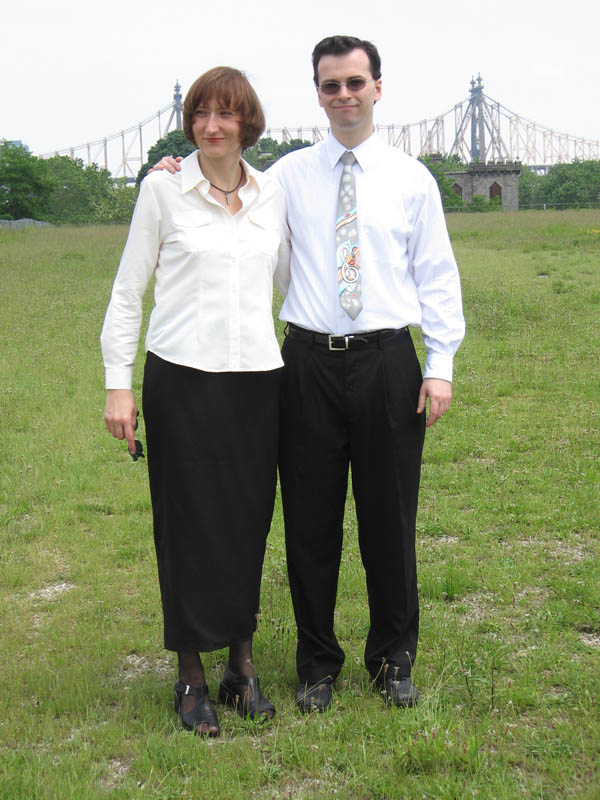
(346, 240)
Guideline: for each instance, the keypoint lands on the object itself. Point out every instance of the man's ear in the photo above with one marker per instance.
(377, 90)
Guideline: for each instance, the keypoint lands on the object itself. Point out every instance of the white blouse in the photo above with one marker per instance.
(214, 276)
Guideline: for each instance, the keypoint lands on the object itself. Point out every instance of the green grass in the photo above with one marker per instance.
(508, 546)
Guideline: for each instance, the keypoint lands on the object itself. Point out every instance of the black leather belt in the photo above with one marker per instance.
(335, 341)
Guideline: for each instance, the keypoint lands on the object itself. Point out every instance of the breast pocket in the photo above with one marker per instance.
(384, 235)
(193, 231)
(263, 233)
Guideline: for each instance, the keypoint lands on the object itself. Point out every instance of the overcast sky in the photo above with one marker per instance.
(74, 72)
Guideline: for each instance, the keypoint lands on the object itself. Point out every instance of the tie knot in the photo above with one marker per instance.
(348, 158)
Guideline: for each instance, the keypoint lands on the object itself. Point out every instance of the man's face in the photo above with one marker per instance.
(349, 110)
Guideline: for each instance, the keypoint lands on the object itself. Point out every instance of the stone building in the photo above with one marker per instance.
(494, 179)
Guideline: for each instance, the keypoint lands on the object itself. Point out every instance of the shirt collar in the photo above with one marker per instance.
(365, 152)
(255, 175)
(191, 174)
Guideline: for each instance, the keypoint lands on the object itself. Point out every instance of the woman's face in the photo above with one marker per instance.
(216, 130)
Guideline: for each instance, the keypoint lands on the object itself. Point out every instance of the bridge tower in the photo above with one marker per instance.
(177, 106)
(176, 109)
(491, 172)
(477, 121)
(481, 115)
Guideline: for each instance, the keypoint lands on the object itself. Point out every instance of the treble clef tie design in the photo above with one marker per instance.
(346, 240)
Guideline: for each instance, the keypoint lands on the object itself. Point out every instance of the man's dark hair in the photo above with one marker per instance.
(339, 46)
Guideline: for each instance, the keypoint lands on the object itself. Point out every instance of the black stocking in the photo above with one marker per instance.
(240, 659)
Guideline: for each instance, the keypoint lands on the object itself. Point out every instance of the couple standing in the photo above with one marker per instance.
(370, 256)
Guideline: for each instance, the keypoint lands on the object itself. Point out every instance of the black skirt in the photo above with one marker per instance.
(212, 458)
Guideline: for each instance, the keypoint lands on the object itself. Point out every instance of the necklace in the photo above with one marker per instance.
(228, 192)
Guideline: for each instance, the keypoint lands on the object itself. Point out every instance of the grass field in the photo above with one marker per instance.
(508, 547)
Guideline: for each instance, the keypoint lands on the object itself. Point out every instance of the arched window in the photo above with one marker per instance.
(457, 189)
(495, 190)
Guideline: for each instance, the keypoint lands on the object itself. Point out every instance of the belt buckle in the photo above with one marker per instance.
(335, 346)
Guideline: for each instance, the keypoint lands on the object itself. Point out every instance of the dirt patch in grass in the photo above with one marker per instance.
(590, 639)
(305, 788)
(479, 605)
(432, 541)
(568, 553)
(534, 595)
(116, 771)
(135, 665)
(51, 592)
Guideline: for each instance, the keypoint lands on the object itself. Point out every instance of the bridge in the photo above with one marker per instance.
(477, 129)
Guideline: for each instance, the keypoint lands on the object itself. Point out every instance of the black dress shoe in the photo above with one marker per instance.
(314, 698)
(246, 696)
(397, 690)
(202, 714)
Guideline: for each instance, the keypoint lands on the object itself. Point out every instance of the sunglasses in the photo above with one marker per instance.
(139, 448)
(353, 85)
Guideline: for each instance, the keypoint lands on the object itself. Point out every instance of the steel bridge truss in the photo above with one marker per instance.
(480, 129)
(123, 153)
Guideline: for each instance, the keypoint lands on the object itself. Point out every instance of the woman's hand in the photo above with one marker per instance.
(120, 415)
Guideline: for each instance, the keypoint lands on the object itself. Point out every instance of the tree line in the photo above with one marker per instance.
(564, 185)
(62, 190)
(59, 189)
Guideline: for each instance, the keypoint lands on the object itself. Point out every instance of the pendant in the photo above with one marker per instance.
(227, 198)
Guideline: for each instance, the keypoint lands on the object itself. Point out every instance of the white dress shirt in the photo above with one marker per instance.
(408, 272)
(214, 276)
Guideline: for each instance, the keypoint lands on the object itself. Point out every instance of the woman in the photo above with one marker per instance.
(214, 235)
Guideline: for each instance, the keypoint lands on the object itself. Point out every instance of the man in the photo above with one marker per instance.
(370, 256)
(353, 394)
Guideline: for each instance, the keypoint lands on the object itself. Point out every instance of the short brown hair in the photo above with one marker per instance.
(340, 46)
(231, 89)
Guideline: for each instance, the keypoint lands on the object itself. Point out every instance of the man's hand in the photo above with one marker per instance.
(169, 163)
(120, 415)
(439, 393)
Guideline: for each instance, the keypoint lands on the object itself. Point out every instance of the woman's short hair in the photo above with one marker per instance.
(231, 89)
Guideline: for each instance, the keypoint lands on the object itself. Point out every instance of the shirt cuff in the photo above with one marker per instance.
(438, 365)
(119, 377)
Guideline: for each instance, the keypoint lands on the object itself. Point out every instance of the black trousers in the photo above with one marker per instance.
(339, 409)
(212, 462)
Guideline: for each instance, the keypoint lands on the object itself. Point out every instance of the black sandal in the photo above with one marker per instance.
(245, 695)
(201, 714)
